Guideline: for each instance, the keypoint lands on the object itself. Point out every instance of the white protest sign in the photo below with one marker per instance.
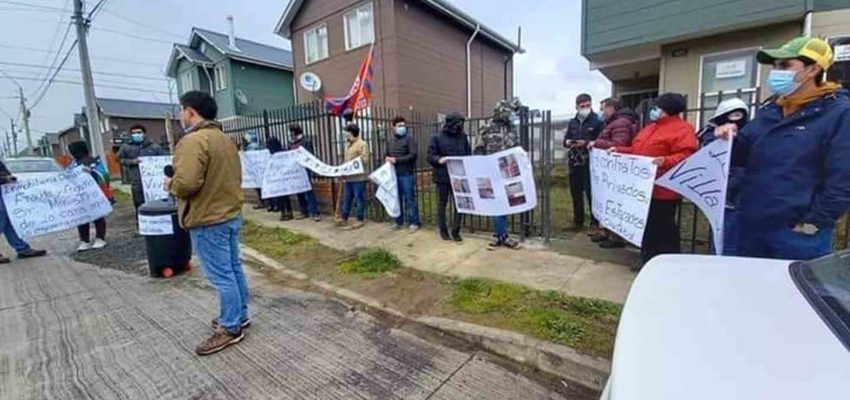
(52, 202)
(494, 185)
(387, 192)
(309, 161)
(155, 225)
(621, 187)
(702, 179)
(253, 167)
(284, 176)
(153, 177)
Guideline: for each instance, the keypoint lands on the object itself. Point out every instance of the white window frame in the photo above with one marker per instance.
(203, 47)
(348, 44)
(829, 40)
(745, 91)
(220, 76)
(315, 30)
(186, 81)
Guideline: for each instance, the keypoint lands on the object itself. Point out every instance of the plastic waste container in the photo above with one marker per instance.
(168, 247)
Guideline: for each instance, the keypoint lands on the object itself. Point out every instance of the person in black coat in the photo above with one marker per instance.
(282, 203)
(583, 130)
(402, 152)
(451, 141)
(307, 200)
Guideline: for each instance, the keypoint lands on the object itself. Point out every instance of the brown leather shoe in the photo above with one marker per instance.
(219, 341)
(4, 260)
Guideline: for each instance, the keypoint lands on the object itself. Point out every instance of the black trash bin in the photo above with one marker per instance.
(167, 254)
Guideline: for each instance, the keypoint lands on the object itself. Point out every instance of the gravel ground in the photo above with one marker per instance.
(125, 250)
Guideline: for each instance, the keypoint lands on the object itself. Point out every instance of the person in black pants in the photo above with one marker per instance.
(280, 204)
(451, 141)
(583, 130)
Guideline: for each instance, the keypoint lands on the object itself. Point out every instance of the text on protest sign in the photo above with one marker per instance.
(309, 161)
(284, 176)
(52, 202)
(156, 225)
(153, 177)
(387, 193)
(494, 185)
(703, 178)
(621, 187)
(253, 167)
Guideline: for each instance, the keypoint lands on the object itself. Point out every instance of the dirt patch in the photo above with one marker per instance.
(125, 250)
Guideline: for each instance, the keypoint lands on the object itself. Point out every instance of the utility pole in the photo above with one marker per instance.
(26, 114)
(14, 138)
(7, 145)
(82, 23)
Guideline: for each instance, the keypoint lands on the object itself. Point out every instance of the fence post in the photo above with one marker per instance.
(266, 131)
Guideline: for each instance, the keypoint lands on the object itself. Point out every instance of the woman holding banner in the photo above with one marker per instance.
(669, 139)
(82, 158)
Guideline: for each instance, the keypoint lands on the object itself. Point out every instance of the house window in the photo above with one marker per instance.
(840, 71)
(220, 77)
(723, 76)
(186, 82)
(359, 27)
(316, 43)
(203, 47)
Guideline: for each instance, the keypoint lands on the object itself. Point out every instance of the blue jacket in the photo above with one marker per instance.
(797, 168)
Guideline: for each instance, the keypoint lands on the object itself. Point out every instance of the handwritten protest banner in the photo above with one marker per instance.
(153, 177)
(284, 176)
(702, 179)
(621, 187)
(253, 167)
(493, 185)
(52, 202)
(387, 192)
(309, 161)
(156, 225)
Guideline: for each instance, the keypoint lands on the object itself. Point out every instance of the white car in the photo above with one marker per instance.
(23, 166)
(725, 328)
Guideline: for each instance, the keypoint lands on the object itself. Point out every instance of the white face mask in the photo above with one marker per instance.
(583, 113)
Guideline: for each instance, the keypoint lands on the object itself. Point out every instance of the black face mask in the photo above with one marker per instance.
(725, 120)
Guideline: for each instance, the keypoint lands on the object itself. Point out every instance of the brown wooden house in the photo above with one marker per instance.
(429, 56)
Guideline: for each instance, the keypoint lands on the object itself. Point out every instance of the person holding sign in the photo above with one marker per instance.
(207, 183)
(306, 200)
(95, 168)
(402, 152)
(19, 245)
(128, 156)
(794, 155)
(280, 204)
(669, 139)
(451, 141)
(582, 131)
(355, 185)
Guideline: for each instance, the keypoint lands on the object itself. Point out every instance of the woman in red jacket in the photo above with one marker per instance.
(669, 140)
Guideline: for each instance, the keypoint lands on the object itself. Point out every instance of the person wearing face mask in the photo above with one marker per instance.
(583, 130)
(128, 156)
(306, 200)
(402, 152)
(355, 185)
(796, 177)
(207, 184)
(451, 141)
(669, 139)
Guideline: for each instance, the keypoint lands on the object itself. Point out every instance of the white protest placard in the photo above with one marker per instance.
(387, 192)
(151, 169)
(494, 185)
(52, 202)
(621, 187)
(309, 161)
(156, 225)
(284, 176)
(253, 167)
(703, 179)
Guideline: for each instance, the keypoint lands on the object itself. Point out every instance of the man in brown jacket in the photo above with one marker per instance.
(355, 185)
(207, 183)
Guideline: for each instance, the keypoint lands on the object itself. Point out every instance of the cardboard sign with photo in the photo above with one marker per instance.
(510, 171)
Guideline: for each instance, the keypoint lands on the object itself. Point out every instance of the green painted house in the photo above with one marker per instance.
(245, 77)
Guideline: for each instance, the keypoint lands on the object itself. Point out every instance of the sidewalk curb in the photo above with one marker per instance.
(562, 361)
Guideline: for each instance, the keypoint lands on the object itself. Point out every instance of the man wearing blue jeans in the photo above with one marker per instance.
(402, 152)
(207, 183)
(355, 185)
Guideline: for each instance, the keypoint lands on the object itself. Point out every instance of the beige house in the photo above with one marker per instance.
(703, 48)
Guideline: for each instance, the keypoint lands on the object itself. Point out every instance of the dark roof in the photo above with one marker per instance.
(247, 50)
(192, 54)
(441, 6)
(136, 109)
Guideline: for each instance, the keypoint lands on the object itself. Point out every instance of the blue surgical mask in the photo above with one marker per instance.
(654, 114)
(401, 130)
(137, 137)
(781, 82)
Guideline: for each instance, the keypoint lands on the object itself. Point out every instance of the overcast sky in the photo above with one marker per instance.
(131, 40)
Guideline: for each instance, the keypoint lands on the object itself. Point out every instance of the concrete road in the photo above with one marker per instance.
(76, 331)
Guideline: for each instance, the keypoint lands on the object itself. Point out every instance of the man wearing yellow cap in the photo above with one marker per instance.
(795, 155)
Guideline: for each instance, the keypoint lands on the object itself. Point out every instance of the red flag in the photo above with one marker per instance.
(360, 95)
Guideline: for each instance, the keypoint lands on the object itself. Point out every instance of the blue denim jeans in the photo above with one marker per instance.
(407, 200)
(730, 232)
(217, 246)
(784, 244)
(354, 191)
(307, 202)
(501, 225)
(15, 241)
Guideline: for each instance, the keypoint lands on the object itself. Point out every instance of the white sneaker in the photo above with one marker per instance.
(84, 246)
(98, 244)
(414, 228)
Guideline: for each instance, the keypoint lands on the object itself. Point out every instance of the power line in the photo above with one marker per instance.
(98, 85)
(130, 35)
(118, 60)
(50, 81)
(93, 13)
(55, 59)
(39, 6)
(143, 25)
(10, 78)
(119, 81)
(146, 77)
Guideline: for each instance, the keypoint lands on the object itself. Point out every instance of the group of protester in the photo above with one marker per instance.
(789, 179)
